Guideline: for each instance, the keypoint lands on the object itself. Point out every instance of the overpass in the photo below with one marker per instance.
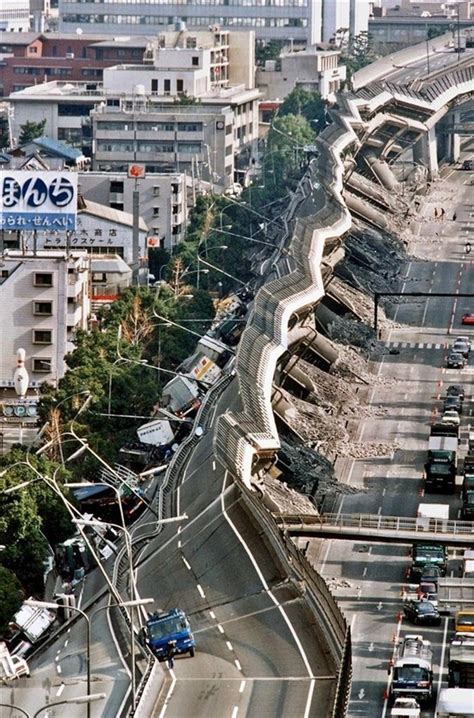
(373, 528)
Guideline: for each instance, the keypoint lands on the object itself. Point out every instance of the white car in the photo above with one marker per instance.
(450, 417)
(464, 338)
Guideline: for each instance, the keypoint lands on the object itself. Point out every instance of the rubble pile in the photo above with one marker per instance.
(288, 499)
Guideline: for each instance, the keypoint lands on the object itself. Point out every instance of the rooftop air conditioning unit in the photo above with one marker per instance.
(70, 55)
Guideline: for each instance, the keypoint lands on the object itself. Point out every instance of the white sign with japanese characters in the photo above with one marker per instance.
(38, 200)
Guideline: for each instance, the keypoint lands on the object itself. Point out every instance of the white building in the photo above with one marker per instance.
(14, 15)
(313, 70)
(48, 300)
(163, 200)
(285, 20)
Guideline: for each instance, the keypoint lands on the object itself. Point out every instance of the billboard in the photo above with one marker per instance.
(38, 200)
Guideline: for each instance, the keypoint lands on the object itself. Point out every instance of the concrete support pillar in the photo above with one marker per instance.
(455, 140)
(426, 152)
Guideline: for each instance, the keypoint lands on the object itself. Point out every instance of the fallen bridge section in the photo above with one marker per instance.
(382, 529)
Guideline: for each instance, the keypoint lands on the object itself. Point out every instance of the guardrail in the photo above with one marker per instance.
(333, 626)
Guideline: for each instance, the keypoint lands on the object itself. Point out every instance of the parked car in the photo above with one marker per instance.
(450, 417)
(453, 403)
(422, 612)
(455, 361)
(460, 347)
(455, 390)
(428, 591)
(467, 165)
(468, 318)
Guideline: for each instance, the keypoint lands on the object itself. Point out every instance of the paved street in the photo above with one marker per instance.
(369, 579)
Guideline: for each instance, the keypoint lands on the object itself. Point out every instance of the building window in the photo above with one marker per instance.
(99, 277)
(156, 191)
(42, 336)
(116, 186)
(156, 211)
(195, 61)
(117, 205)
(43, 309)
(167, 87)
(43, 279)
(42, 366)
(154, 86)
(4, 274)
(179, 86)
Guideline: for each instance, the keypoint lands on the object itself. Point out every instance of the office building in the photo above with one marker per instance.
(307, 21)
(313, 70)
(14, 16)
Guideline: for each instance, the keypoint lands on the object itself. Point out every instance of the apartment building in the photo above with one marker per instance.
(311, 69)
(307, 21)
(14, 16)
(47, 296)
(162, 196)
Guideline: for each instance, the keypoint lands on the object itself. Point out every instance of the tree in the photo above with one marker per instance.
(10, 597)
(30, 131)
(308, 104)
(267, 51)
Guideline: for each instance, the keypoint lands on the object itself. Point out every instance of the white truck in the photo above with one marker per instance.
(11, 666)
(455, 702)
(432, 517)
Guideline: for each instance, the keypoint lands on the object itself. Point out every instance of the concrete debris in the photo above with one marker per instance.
(288, 499)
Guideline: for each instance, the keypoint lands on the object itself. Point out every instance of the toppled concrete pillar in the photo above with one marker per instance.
(382, 171)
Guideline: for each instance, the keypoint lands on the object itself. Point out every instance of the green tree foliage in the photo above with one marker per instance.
(267, 51)
(358, 53)
(30, 131)
(11, 596)
(31, 517)
(435, 31)
(303, 102)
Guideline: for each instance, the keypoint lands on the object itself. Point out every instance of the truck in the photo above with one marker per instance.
(169, 634)
(453, 702)
(440, 429)
(461, 661)
(427, 554)
(181, 396)
(441, 464)
(432, 517)
(11, 666)
(412, 672)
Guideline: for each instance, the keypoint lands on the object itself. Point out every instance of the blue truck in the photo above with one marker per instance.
(168, 634)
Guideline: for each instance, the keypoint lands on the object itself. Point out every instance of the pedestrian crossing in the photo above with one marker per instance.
(415, 345)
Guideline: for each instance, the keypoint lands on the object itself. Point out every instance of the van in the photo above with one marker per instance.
(467, 165)
(464, 621)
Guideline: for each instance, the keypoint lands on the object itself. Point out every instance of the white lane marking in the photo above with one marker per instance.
(443, 650)
(229, 645)
(212, 614)
(353, 622)
(178, 500)
(437, 346)
(384, 491)
(188, 566)
(237, 663)
(242, 686)
(58, 668)
(274, 600)
(213, 465)
(179, 543)
(235, 710)
(168, 695)
(364, 572)
(220, 628)
(65, 643)
(201, 592)
(60, 689)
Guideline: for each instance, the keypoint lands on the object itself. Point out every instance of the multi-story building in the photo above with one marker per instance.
(47, 296)
(29, 58)
(299, 20)
(14, 16)
(311, 69)
(162, 201)
(191, 107)
(393, 33)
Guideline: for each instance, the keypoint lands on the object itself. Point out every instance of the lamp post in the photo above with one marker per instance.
(132, 590)
(195, 271)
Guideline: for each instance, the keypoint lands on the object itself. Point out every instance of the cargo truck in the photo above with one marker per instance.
(441, 463)
(412, 673)
(405, 708)
(440, 429)
(11, 666)
(168, 634)
(427, 555)
(461, 661)
(454, 703)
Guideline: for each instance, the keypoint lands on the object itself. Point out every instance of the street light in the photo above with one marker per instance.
(132, 589)
(195, 271)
